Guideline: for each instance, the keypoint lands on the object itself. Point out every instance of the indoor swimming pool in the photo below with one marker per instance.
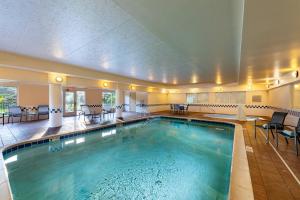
(161, 158)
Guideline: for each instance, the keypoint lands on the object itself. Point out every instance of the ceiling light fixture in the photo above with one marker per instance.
(59, 79)
(105, 84)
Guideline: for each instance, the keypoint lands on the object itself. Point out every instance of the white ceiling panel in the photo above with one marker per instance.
(170, 41)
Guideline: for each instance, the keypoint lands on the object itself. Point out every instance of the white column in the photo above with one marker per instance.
(55, 105)
(119, 103)
(241, 113)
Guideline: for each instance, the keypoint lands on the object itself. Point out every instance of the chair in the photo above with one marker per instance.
(176, 107)
(111, 111)
(181, 108)
(276, 123)
(172, 107)
(43, 110)
(14, 111)
(187, 108)
(291, 134)
(87, 112)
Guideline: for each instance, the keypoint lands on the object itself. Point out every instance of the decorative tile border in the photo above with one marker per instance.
(55, 110)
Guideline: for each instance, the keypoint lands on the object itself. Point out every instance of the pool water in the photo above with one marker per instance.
(156, 159)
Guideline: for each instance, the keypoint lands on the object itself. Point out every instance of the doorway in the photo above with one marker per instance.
(73, 101)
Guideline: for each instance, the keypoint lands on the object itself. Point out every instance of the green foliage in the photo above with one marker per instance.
(8, 97)
(108, 98)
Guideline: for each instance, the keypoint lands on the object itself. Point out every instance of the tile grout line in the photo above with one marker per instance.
(286, 165)
(256, 162)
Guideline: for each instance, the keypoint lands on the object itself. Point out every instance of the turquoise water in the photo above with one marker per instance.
(156, 159)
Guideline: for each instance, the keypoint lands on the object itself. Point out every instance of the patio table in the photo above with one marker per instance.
(31, 114)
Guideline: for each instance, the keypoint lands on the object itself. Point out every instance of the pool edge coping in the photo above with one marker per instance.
(240, 186)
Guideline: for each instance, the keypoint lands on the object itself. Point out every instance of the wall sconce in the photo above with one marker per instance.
(249, 87)
(295, 74)
(132, 87)
(105, 84)
(220, 89)
(59, 79)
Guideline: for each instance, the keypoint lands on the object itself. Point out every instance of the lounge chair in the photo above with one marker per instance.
(14, 111)
(43, 110)
(86, 111)
(291, 134)
(276, 123)
(110, 112)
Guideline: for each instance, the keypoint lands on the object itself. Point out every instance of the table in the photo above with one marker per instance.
(31, 114)
(255, 125)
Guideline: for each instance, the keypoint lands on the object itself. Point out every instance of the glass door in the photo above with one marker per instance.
(73, 101)
(80, 100)
(108, 99)
(69, 103)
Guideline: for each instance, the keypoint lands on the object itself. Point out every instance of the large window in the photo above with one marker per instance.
(230, 98)
(108, 99)
(8, 97)
(200, 98)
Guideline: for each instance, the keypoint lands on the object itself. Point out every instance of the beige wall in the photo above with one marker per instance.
(177, 98)
(263, 94)
(157, 98)
(33, 95)
(281, 97)
(93, 96)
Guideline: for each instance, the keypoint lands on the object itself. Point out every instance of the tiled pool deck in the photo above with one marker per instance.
(270, 177)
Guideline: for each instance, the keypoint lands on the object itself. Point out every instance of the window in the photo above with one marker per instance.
(108, 99)
(230, 98)
(191, 98)
(8, 97)
(197, 98)
(69, 102)
(203, 97)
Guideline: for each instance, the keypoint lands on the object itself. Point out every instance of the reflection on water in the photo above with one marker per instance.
(160, 159)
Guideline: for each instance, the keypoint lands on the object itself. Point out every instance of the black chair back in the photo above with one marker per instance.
(14, 110)
(298, 127)
(43, 109)
(278, 118)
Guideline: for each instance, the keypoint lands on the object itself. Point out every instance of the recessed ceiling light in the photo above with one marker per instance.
(105, 65)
